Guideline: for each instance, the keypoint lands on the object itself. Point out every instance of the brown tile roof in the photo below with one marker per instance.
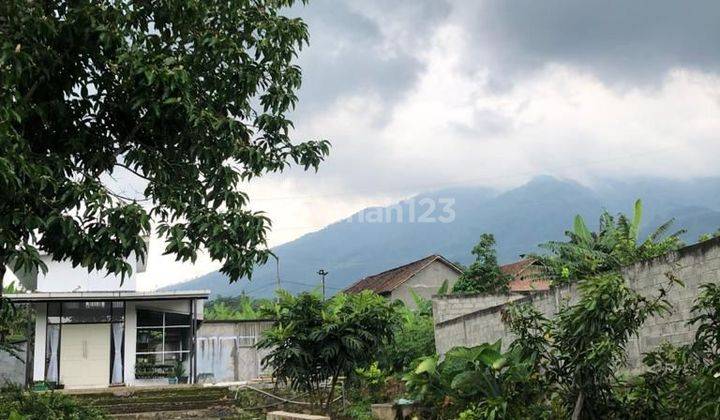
(527, 276)
(389, 280)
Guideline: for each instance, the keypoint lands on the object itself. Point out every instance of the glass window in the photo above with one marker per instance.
(79, 312)
(163, 341)
(177, 319)
(173, 358)
(53, 309)
(118, 311)
(149, 318)
(152, 366)
(150, 340)
(176, 339)
(53, 312)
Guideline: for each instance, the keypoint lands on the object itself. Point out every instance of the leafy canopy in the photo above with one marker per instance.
(187, 98)
(684, 381)
(615, 244)
(483, 275)
(236, 308)
(581, 349)
(413, 338)
(314, 340)
(480, 378)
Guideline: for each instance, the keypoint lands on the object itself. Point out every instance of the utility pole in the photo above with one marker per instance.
(277, 271)
(322, 274)
(277, 275)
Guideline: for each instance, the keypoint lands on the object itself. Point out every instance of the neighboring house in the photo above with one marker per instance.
(424, 277)
(94, 330)
(526, 276)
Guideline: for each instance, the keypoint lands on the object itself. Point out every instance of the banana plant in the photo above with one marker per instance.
(616, 243)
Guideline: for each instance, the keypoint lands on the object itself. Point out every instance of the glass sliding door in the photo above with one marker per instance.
(163, 344)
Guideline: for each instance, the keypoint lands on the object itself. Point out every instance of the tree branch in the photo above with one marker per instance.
(122, 165)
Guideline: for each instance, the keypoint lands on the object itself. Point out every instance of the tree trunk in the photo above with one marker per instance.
(2, 284)
(578, 406)
(3, 269)
(332, 390)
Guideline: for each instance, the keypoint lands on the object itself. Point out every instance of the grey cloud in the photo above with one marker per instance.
(348, 55)
(630, 42)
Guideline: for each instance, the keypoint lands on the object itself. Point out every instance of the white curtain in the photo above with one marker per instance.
(117, 365)
(53, 336)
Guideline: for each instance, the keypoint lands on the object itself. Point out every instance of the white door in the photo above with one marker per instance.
(85, 355)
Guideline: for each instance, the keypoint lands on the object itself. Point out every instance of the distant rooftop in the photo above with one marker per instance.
(389, 280)
(526, 276)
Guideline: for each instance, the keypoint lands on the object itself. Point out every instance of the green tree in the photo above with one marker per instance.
(238, 307)
(580, 350)
(483, 275)
(682, 382)
(413, 338)
(615, 244)
(315, 341)
(189, 98)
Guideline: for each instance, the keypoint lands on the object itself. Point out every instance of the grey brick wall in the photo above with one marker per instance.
(476, 319)
(12, 370)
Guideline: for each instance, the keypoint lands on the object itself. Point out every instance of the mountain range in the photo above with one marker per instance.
(376, 239)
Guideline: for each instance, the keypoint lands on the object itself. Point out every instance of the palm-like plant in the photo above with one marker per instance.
(314, 341)
(615, 244)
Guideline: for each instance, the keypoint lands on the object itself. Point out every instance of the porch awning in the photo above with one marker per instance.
(110, 295)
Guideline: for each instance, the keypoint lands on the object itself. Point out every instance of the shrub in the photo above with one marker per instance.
(18, 404)
(683, 382)
(481, 379)
(314, 341)
(413, 338)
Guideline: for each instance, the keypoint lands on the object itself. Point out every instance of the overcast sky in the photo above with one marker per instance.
(418, 95)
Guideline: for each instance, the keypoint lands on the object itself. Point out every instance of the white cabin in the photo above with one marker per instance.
(96, 330)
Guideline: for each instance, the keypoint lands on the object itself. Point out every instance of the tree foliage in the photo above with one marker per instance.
(187, 98)
(14, 322)
(481, 379)
(242, 307)
(580, 349)
(616, 243)
(16, 404)
(483, 275)
(315, 341)
(413, 338)
(557, 368)
(684, 381)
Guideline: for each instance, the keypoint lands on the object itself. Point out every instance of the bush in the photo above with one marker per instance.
(315, 341)
(414, 337)
(18, 404)
(480, 382)
(683, 382)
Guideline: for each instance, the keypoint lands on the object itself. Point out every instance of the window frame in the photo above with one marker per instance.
(164, 327)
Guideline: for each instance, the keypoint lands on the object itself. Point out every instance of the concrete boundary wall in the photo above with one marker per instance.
(12, 369)
(475, 319)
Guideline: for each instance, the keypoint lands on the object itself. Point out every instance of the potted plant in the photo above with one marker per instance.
(178, 373)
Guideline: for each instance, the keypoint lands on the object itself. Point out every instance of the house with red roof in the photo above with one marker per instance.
(526, 276)
(423, 277)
